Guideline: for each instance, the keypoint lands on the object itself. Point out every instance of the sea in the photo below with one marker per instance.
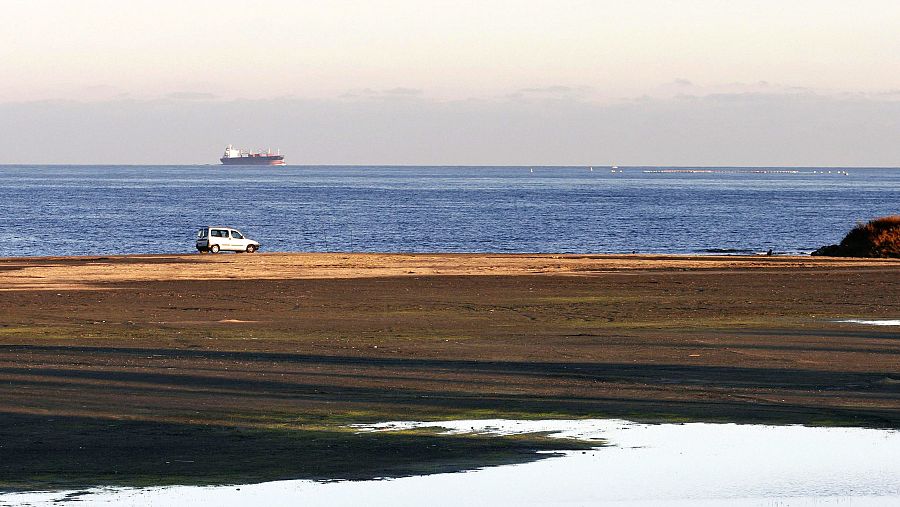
(137, 209)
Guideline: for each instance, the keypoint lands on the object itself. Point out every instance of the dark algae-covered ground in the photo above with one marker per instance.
(44, 452)
(235, 369)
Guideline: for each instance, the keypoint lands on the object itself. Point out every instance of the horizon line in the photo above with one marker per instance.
(606, 166)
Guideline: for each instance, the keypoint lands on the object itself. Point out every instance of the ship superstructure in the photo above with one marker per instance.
(237, 156)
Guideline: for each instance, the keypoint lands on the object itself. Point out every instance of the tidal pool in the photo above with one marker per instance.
(694, 464)
(881, 322)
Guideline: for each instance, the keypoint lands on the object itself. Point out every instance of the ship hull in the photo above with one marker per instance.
(262, 160)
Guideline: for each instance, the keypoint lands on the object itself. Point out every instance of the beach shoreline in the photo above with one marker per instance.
(284, 350)
(27, 273)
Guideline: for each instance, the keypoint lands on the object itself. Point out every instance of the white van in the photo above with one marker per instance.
(216, 239)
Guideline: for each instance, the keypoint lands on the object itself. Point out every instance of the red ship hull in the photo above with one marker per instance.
(254, 160)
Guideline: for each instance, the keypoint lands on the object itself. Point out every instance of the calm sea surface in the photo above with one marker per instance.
(85, 210)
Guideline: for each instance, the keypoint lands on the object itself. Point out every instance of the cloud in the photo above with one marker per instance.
(555, 89)
(884, 94)
(684, 88)
(551, 93)
(384, 94)
(400, 91)
(191, 96)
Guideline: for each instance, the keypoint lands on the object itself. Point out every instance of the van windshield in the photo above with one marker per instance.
(201, 233)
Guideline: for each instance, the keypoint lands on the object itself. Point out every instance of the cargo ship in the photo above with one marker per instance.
(236, 156)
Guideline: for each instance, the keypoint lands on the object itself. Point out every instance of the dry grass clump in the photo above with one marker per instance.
(877, 238)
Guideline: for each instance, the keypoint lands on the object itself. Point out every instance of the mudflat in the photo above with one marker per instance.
(236, 368)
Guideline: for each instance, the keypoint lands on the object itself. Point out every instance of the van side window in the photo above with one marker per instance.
(236, 235)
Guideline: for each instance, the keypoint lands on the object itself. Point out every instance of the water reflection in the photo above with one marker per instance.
(669, 464)
(882, 322)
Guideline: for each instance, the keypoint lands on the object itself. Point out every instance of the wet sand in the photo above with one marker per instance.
(106, 356)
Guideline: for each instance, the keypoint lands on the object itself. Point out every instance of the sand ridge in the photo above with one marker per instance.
(77, 273)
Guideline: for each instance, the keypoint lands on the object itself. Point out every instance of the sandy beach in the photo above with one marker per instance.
(282, 350)
(51, 273)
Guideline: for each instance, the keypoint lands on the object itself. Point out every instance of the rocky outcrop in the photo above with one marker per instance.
(877, 238)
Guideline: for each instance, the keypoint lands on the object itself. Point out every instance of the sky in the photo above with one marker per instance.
(527, 82)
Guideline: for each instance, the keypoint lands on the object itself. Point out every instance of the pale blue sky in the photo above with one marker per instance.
(99, 68)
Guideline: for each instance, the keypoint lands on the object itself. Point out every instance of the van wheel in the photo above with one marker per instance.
(251, 248)
(214, 249)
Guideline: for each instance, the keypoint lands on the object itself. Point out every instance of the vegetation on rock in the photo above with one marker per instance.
(877, 238)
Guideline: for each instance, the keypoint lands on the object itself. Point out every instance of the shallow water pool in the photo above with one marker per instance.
(880, 322)
(693, 464)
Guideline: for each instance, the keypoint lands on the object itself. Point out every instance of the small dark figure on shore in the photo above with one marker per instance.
(770, 252)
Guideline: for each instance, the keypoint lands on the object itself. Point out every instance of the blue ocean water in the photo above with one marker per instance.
(88, 210)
